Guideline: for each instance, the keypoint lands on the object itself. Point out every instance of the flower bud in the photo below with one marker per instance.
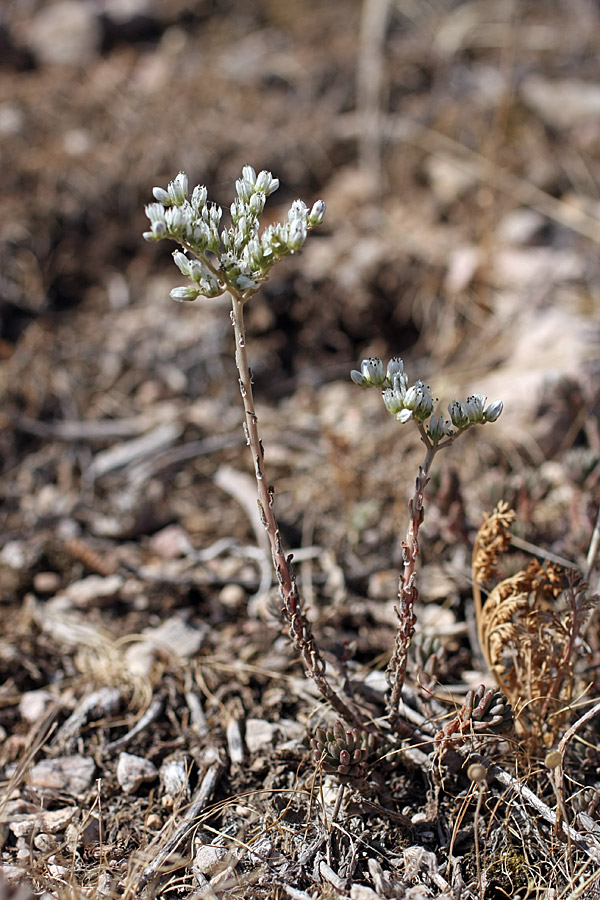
(315, 217)
(493, 411)
(436, 430)
(296, 235)
(187, 292)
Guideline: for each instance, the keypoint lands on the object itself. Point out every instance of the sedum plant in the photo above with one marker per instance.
(343, 752)
(415, 403)
(237, 260)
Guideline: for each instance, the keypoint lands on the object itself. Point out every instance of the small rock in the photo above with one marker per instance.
(232, 596)
(65, 33)
(362, 892)
(519, 226)
(463, 263)
(34, 704)
(16, 554)
(174, 636)
(44, 842)
(46, 582)
(449, 177)
(171, 542)
(67, 774)
(224, 880)
(126, 10)
(174, 779)
(57, 871)
(132, 771)
(383, 585)
(259, 734)
(562, 103)
(92, 589)
(209, 859)
(49, 822)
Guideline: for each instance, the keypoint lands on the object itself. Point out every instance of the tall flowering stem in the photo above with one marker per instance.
(408, 592)
(238, 260)
(299, 628)
(415, 403)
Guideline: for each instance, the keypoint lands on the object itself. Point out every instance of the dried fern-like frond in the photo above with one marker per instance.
(492, 542)
(529, 630)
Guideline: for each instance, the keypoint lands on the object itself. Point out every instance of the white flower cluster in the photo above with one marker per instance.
(416, 401)
(237, 257)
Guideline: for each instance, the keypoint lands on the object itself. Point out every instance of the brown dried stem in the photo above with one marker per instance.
(299, 628)
(408, 593)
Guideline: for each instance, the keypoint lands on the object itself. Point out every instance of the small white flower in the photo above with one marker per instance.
(199, 196)
(393, 400)
(296, 235)
(182, 262)
(244, 190)
(371, 373)
(394, 367)
(249, 175)
(257, 203)
(474, 408)
(424, 401)
(155, 212)
(178, 189)
(243, 282)
(266, 183)
(176, 219)
(297, 211)
(458, 414)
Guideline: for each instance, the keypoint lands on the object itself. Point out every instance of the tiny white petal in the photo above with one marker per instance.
(161, 195)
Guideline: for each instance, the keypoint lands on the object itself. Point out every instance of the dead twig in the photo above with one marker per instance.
(184, 830)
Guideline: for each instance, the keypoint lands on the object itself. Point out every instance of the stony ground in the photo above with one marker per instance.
(154, 719)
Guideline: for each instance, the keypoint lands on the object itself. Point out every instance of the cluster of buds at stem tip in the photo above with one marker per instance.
(343, 752)
(415, 401)
(238, 258)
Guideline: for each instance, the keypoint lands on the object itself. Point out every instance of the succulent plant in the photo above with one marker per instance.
(483, 711)
(343, 752)
(587, 800)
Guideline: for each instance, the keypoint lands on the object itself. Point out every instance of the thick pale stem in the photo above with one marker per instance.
(298, 626)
